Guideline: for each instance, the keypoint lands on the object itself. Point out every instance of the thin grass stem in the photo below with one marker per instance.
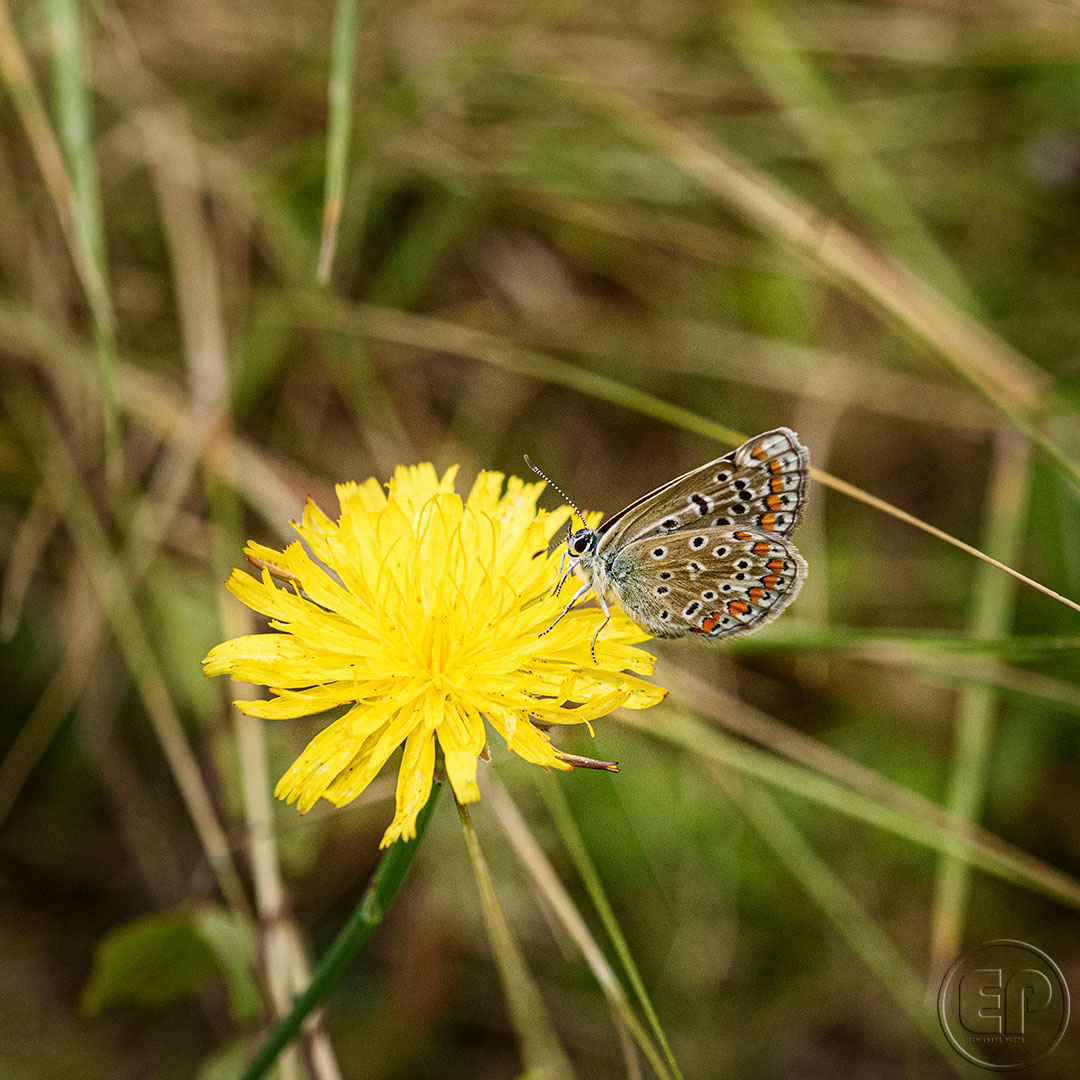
(70, 72)
(848, 917)
(541, 1053)
(340, 90)
(114, 594)
(579, 855)
(826, 128)
(999, 859)
(991, 616)
(536, 862)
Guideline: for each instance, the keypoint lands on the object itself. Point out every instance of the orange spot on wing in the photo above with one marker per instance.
(768, 522)
(769, 581)
(755, 594)
(710, 623)
(761, 547)
(738, 607)
(775, 465)
(743, 536)
(775, 564)
(773, 502)
(777, 483)
(758, 453)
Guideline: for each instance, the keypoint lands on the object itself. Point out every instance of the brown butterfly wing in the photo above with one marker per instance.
(720, 582)
(760, 485)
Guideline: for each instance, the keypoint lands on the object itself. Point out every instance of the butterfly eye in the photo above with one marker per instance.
(579, 542)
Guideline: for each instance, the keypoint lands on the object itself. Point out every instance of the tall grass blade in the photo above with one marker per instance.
(1007, 379)
(541, 1053)
(999, 859)
(534, 860)
(340, 91)
(579, 854)
(811, 108)
(843, 910)
(71, 86)
(976, 707)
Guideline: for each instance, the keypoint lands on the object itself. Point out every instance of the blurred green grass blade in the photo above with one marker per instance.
(579, 855)
(671, 725)
(992, 614)
(538, 865)
(924, 645)
(71, 87)
(541, 1053)
(340, 91)
(1006, 378)
(849, 918)
(366, 917)
(76, 209)
(954, 671)
(778, 212)
(812, 109)
(1062, 520)
(154, 403)
(434, 227)
(111, 585)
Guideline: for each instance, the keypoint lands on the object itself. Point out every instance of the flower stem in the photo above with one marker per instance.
(375, 902)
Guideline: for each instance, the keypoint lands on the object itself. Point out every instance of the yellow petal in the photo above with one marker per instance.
(426, 613)
(413, 787)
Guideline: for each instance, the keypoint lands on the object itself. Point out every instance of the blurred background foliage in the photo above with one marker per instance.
(249, 250)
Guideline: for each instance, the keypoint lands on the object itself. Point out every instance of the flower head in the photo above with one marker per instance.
(422, 614)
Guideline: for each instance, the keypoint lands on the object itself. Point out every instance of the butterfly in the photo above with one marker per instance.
(706, 553)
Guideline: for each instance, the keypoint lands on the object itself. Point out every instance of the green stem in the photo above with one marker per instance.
(342, 67)
(377, 898)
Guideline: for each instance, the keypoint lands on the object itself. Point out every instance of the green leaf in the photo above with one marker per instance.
(233, 945)
(151, 961)
(227, 1063)
(162, 958)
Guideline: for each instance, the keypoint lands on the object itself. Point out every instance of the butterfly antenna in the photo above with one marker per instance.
(570, 502)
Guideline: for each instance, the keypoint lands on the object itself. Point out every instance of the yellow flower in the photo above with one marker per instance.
(424, 614)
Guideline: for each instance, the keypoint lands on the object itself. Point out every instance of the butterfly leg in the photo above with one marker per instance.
(607, 619)
(564, 572)
(573, 600)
